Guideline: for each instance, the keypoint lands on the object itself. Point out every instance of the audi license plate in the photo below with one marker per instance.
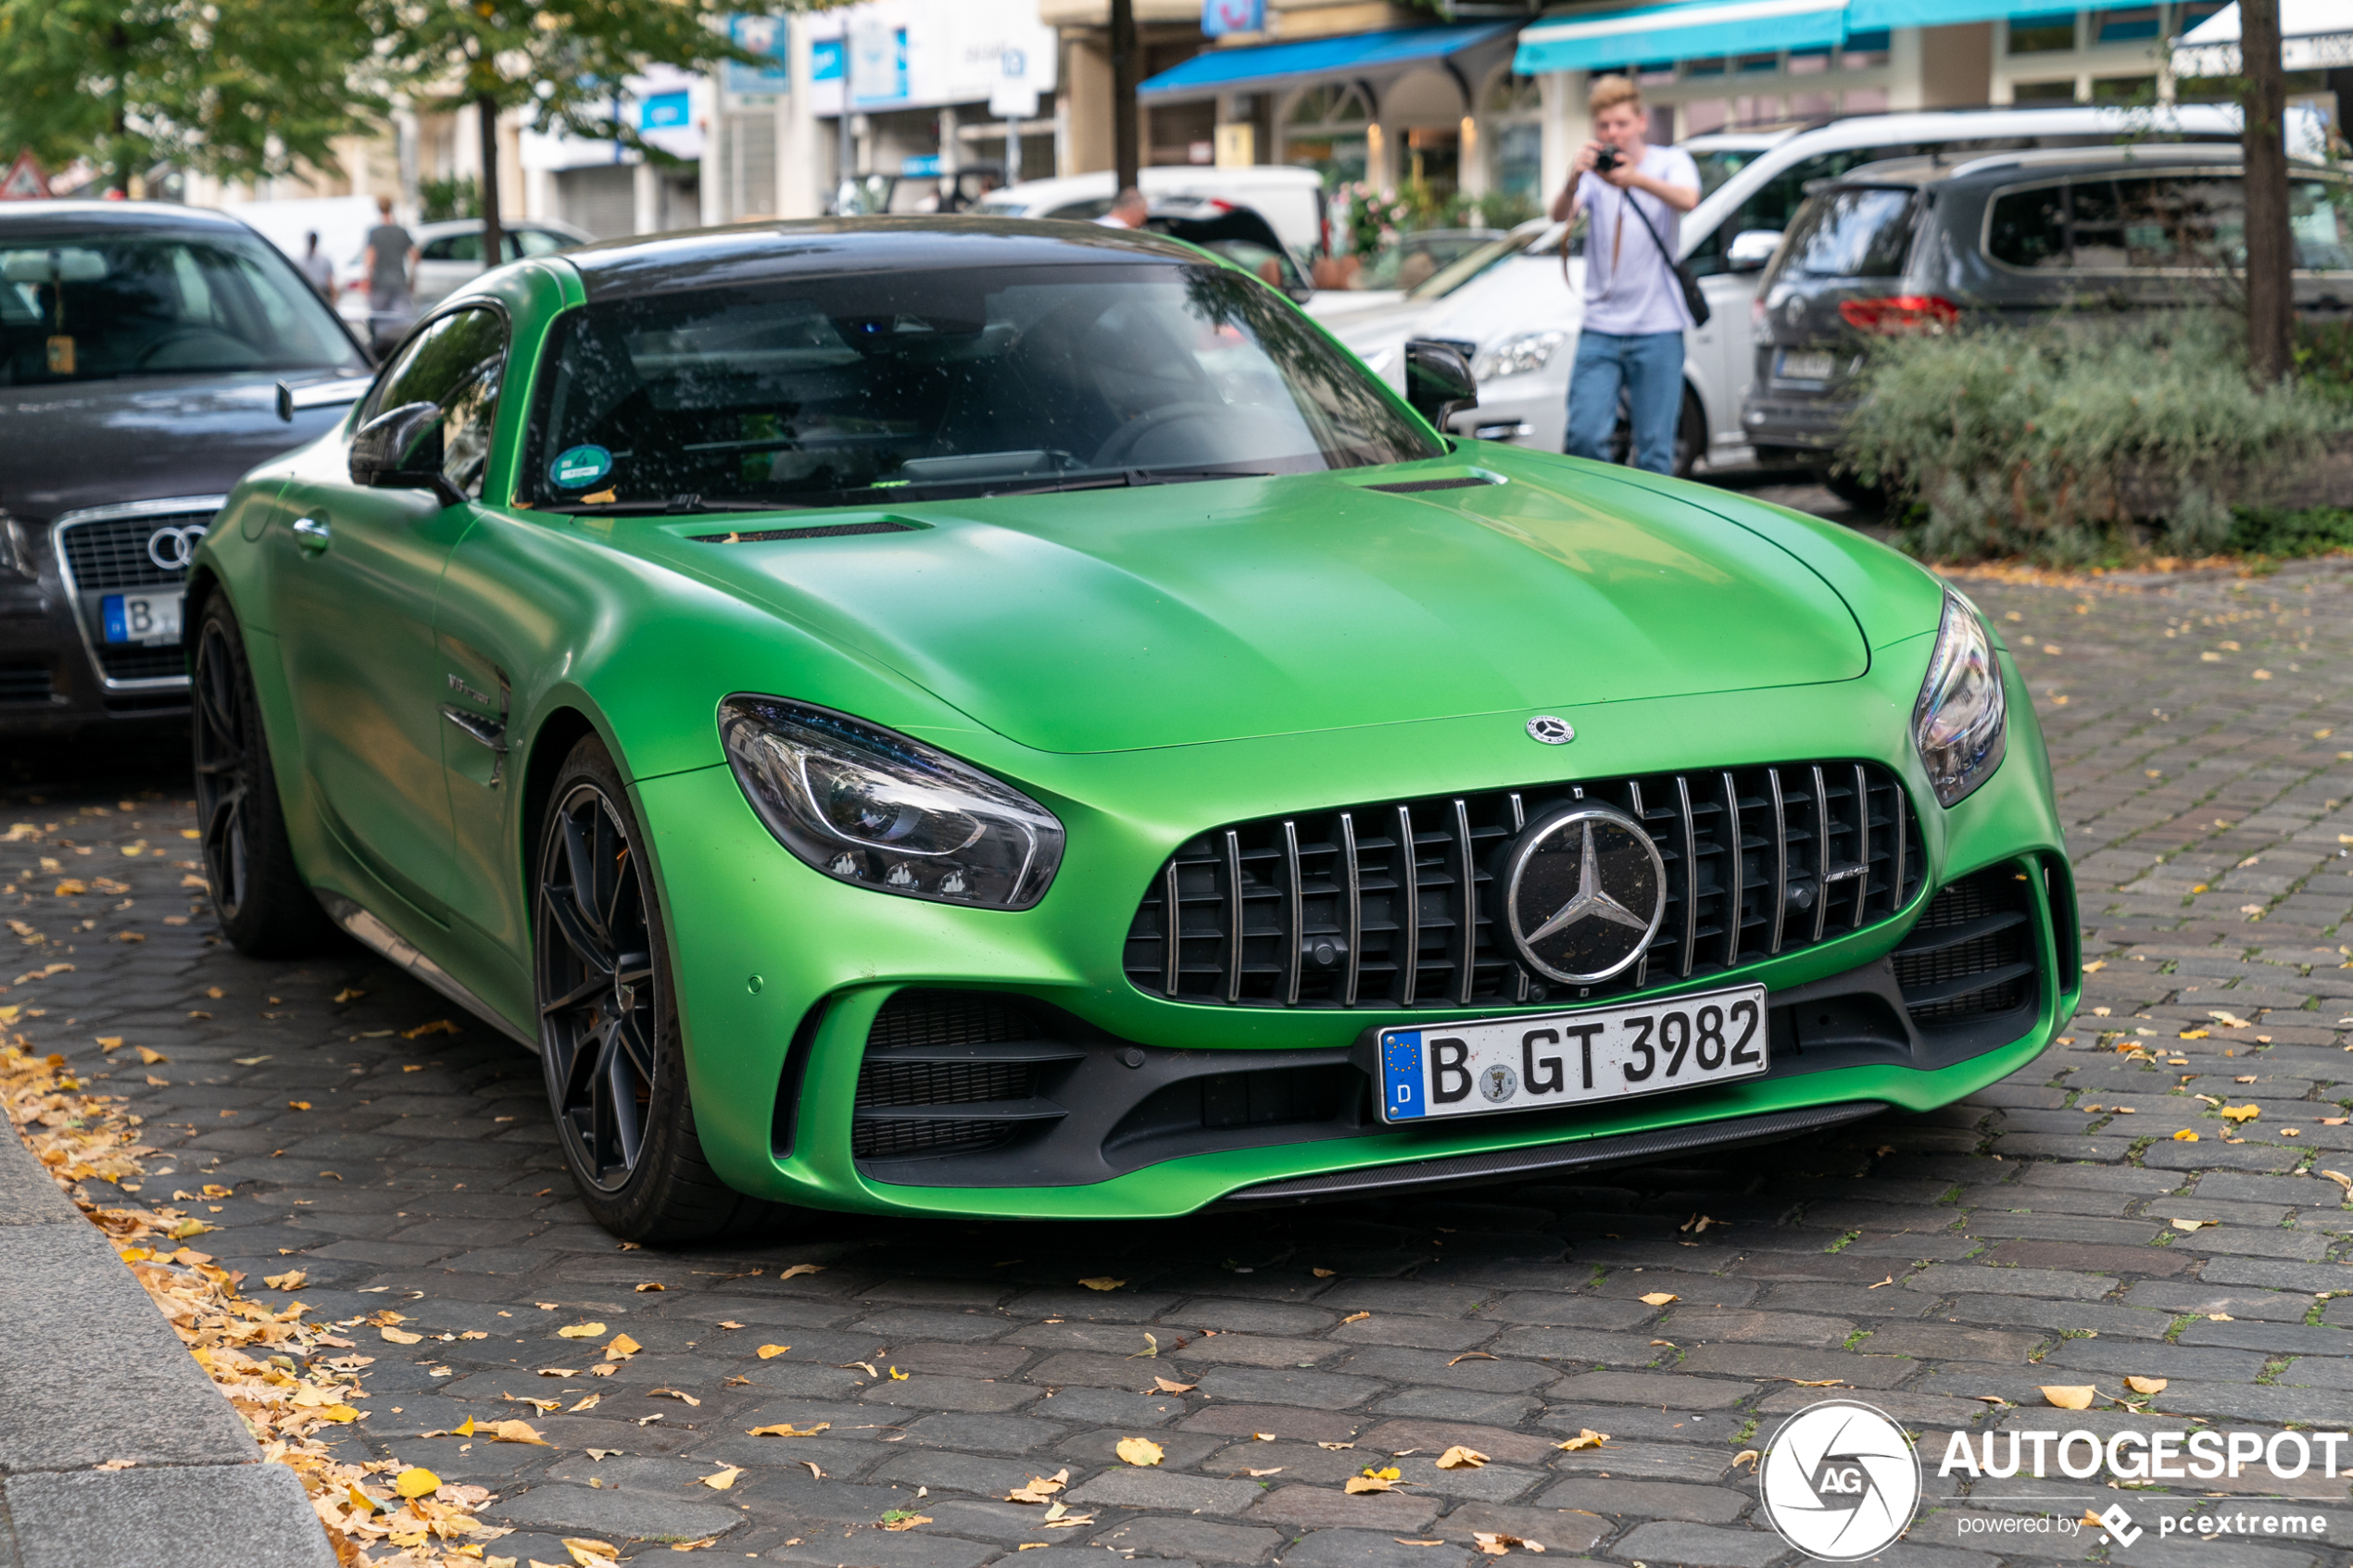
(143, 618)
(1572, 1058)
(1812, 364)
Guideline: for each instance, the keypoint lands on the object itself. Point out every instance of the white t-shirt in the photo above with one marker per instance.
(1629, 288)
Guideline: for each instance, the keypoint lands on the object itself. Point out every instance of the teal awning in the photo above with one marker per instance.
(1689, 30)
(1259, 66)
(1864, 16)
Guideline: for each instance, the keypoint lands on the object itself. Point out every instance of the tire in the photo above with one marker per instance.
(265, 909)
(608, 1006)
(1691, 435)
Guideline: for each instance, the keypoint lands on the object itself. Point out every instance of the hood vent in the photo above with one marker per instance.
(1415, 487)
(821, 531)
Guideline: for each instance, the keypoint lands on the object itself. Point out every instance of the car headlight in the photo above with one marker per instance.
(866, 805)
(15, 551)
(1520, 356)
(1960, 722)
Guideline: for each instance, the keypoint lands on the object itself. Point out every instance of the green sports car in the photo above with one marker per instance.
(1005, 719)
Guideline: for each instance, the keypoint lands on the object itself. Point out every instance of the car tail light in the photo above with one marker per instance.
(1894, 315)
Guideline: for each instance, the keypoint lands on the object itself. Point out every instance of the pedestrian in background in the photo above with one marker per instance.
(1635, 311)
(315, 266)
(388, 264)
(1128, 210)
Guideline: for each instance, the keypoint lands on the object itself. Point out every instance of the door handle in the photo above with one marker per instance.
(311, 535)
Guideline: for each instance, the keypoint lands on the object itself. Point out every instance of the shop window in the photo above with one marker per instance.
(1746, 64)
(2060, 92)
(2042, 33)
(2136, 25)
(1808, 62)
(1658, 73)
(1864, 51)
(1701, 69)
(1708, 115)
(1325, 130)
(1762, 110)
(2133, 90)
(1866, 100)
(1812, 106)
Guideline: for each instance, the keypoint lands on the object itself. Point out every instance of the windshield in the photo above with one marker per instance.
(1855, 232)
(1455, 274)
(95, 306)
(817, 391)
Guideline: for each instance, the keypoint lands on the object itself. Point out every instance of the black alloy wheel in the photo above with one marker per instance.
(597, 988)
(265, 909)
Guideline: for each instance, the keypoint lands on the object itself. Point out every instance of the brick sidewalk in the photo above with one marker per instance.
(2021, 1238)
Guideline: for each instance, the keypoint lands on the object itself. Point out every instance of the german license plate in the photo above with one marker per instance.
(143, 618)
(1811, 364)
(1534, 1063)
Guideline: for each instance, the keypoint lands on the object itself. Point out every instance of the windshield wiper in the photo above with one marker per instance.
(675, 506)
(1133, 479)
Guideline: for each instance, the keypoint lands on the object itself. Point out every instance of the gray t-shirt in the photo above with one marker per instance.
(391, 243)
(1629, 288)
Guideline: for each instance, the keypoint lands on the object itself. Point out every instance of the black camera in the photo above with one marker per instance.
(1607, 160)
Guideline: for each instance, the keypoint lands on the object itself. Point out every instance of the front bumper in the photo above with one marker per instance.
(1805, 423)
(786, 975)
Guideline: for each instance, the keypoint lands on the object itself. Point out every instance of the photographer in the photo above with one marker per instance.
(1635, 312)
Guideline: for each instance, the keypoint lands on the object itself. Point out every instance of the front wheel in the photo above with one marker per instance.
(609, 1030)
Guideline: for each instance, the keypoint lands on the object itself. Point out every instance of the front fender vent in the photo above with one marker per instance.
(1389, 905)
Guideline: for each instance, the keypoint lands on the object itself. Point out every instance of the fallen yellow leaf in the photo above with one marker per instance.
(1168, 1386)
(1460, 1458)
(1102, 1282)
(1586, 1438)
(621, 1348)
(799, 1269)
(292, 1280)
(340, 1412)
(721, 1480)
(1746, 1456)
(580, 1331)
(414, 1482)
(398, 1335)
(586, 1553)
(1324, 1274)
(769, 1353)
(1366, 1484)
(1039, 1488)
(2240, 1112)
(1138, 1450)
(1496, 1543)
(151, 1057)
(2185, 1136)
(1660, 1299)
(2186, 1226)
(2071, 1399)
(787, 1429)
(1353, 1317)
(516, 1432)
(2145, 1384)
(909, 1522)
(297, 1105)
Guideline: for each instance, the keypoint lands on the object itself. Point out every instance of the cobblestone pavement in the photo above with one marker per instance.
(1935, 1265)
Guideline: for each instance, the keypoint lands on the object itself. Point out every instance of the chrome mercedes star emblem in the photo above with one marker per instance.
(1584, 891)
(1552, 731)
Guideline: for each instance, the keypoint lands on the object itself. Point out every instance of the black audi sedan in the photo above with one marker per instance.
(150, 356)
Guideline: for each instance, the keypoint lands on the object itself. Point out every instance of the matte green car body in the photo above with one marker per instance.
(1146, 663)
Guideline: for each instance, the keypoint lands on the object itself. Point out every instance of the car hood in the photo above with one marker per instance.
(93, 444)
(1103, 621)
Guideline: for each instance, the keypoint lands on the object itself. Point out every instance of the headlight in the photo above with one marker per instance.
(865, 805)
(16, 552)
(1959, 723)
(1518, 355)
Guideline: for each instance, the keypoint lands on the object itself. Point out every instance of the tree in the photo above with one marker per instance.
(1124, 58)
(2270, 301)
(564, 60)
(231, 87)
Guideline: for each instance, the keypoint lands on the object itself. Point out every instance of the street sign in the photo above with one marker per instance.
(24, 182)
(1219, 17)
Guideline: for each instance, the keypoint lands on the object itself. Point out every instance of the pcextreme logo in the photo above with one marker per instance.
(1840, 1481)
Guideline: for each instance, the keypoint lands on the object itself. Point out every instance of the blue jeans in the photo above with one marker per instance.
(1650, 366)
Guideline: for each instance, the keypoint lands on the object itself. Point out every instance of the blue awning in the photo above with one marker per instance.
(1691, 30)
(1864, 15)
(1260, 65)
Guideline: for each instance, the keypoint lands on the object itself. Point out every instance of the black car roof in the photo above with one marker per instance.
(102, 216)
(752, 251)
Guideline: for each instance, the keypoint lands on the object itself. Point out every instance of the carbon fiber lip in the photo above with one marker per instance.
(1624, 1148)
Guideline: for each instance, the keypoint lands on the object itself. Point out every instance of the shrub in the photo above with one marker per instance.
(2310, 531)
(2073, 439)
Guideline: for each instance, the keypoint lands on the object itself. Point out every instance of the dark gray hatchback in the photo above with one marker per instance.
(150, 354)
(1927, 247)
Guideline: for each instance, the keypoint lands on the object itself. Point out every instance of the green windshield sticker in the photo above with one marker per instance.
(576, 468)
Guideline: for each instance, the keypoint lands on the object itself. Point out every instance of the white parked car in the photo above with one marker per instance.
(1516, 321)
(1291, 199)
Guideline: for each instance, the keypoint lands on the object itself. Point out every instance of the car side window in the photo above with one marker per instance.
(436, 250)
(1773, 203)
(1082, 211)
(2029, 228)
(2319, 227)
(456, 362)
(538, 242)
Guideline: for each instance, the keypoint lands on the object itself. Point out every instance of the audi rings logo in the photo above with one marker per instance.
(170, 548)
(1841, 1481)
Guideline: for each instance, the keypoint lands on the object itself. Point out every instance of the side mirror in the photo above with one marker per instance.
(400, 450)
(1751, 249)
(1438, 381)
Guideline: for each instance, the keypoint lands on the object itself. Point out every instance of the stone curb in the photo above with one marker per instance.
(90, 1372)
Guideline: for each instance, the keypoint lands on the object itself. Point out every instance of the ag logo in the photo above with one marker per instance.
(1841, 1481)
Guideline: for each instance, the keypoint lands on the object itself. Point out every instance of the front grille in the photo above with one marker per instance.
(104, 555)
(1389, 904)
(24, 680)
(950, 1072)
(111, 553)
(1971, 955)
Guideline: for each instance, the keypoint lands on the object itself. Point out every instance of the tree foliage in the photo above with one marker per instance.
(231, 87)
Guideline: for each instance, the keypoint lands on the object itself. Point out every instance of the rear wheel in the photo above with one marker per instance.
(265, 909)
(1852, 491)
(608, 1007)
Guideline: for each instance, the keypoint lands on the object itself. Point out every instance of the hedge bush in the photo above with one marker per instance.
(2075, 439)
